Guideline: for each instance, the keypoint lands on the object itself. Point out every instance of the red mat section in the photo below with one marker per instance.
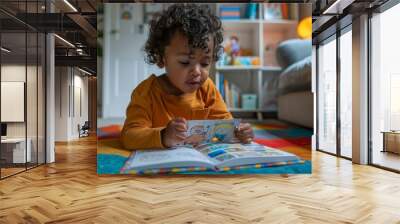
(278, 143)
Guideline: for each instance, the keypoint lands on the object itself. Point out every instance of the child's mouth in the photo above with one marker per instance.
(193, 83)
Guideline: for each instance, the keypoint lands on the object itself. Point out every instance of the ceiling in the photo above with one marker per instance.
(330, 15)
(79, 27)
(76, 24)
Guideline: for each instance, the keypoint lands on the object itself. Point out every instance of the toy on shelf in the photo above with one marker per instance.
(237, 56)
(235, 47)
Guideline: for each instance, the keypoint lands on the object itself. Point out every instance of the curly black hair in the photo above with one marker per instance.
(196, 22)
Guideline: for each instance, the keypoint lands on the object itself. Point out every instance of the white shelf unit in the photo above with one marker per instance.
(255, 34)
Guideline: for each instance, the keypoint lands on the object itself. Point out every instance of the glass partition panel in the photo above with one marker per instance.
(31, 98)
(13, 92)
(346, 94)
(385, 89)
(327, 97)
(41, 98)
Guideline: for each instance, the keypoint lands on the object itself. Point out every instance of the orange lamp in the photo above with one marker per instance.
(304, 28)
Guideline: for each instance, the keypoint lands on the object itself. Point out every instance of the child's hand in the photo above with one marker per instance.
(174, 133)
(244, 133)
(194, 139)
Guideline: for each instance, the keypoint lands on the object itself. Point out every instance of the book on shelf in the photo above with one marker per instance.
(235, 94)
(229, 92)
(279, 11)
(293, 11)
(252, 10)
(209, 156)
(227, 12)
(221, 86)
(285, 11)
(272, 11)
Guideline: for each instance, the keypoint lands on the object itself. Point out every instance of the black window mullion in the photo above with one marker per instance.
(369, 90)
(338, 93)
(37, 90)
(26, 87)
(317, 97)
(1, 163)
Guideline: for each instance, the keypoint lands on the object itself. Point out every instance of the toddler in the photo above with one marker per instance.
(186, 40)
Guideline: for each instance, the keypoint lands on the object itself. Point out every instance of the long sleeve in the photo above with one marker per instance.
(142, 127)
(138, 132)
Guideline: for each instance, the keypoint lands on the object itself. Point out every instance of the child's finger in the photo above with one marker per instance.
(180, 127)
(248, 132)
(248, 140)
(180, 120)
(245, 139)
(180, 136)
(243, 126)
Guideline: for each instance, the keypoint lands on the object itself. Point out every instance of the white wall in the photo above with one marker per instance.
(123, 63)
(79, 117)
(61, 103)
(70, 83)
(12, 73)
(33, 126)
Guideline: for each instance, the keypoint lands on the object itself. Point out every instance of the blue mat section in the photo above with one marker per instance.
(304, 168)
(110, 164)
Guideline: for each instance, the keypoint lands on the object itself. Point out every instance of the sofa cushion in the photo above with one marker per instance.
(292, 51)
(297, 108)
(296, 77)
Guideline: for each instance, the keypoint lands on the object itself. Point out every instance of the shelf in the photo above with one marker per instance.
(271, 68)
(233, 68)
(241, 68)
(256, 21)
(280, 21)
(230, 21)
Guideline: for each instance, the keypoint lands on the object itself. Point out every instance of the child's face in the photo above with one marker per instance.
(187, 69)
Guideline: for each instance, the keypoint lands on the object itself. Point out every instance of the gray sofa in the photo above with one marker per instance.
(294, 96)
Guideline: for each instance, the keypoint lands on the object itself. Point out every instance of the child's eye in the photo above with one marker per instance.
(205, 64)
(184, 62)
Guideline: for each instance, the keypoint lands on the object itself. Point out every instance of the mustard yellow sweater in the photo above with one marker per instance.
(151, 108)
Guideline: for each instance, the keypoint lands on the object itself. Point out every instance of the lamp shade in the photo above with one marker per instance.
(304, 28)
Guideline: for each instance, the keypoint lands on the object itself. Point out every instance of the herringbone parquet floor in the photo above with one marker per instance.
(70, 191)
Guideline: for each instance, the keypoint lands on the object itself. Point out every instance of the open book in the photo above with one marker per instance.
(208, 156)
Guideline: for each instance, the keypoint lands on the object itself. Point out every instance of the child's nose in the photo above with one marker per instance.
(196, 70)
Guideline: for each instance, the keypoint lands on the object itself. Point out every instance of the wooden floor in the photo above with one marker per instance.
(387, 159)
(70, 191)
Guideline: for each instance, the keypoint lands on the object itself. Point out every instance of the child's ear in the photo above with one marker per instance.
(161, 63)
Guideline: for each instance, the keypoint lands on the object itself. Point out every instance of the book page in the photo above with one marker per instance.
(243, 154)
(167, 158)
(206, 131)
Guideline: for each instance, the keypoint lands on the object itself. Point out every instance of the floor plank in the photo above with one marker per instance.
(70, 191)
